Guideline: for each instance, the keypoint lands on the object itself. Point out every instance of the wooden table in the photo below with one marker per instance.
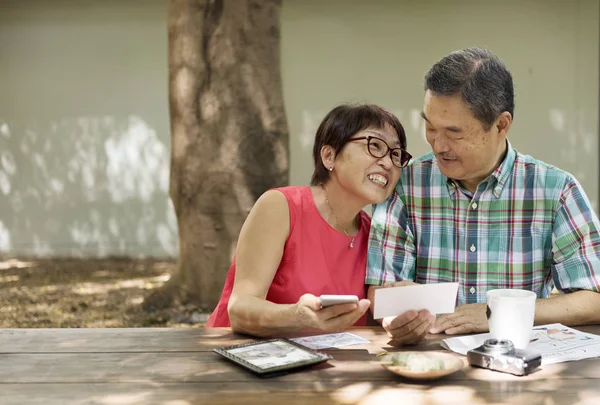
(177, 367)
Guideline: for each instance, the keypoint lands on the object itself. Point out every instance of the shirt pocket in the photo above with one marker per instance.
(521, 259)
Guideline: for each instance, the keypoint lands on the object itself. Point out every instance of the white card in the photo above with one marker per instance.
(436, 298)
(331, 340)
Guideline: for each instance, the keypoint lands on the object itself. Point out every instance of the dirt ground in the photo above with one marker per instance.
(78, 293)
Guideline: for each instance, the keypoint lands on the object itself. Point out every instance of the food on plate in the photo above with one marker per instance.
(418, 362)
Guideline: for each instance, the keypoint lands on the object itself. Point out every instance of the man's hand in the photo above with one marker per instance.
(335, 318)
(410, 327)
(402, 283)
(468, 318)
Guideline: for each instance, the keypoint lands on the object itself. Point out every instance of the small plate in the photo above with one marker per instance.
(451, 364)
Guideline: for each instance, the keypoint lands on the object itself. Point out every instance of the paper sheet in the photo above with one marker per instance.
(330, 340)
(436, 298)
(555, 342)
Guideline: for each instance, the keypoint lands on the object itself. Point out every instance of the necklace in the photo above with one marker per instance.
(336, 218)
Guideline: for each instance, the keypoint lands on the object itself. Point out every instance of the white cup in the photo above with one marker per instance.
(510, 315)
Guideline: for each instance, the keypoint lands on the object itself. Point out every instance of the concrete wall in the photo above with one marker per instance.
(84, 137)
(84, 130)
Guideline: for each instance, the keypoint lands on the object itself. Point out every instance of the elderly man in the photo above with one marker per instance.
(476, 211)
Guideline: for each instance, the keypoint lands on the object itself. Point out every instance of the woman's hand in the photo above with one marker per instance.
(335, 318)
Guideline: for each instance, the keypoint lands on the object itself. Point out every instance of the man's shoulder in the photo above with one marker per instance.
(425, 160)
(420, 171)
(543, 170)
(423, 164)
(421, 174)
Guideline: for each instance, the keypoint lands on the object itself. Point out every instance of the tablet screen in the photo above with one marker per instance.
(272, 355)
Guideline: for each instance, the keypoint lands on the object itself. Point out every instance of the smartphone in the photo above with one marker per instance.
(329, 300)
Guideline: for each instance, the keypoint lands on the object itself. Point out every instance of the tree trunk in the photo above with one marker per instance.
(229, 134)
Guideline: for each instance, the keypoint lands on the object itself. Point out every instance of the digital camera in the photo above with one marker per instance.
(501, 355)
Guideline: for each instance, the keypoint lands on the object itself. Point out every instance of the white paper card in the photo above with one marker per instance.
(436, 298)
(331, 340)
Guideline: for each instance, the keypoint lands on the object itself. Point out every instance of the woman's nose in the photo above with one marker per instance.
(386, 161)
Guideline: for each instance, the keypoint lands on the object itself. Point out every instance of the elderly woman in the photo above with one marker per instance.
(302, 242)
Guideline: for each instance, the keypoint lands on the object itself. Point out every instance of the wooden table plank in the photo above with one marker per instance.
(275, 392)
(150, 340)
(209, 367)
(113, 340)
(147, 340)
(177, 367)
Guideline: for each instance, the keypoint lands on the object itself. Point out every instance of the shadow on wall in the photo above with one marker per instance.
(89, 186)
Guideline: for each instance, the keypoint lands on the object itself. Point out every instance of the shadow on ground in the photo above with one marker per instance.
(83, 293)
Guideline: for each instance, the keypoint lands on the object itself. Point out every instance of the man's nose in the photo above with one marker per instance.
(439, 144)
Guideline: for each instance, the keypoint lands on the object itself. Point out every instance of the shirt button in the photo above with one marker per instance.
(474, 205)
(473, 290)
(472, 248)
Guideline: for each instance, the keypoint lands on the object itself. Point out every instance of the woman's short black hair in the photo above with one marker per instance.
(342, 123)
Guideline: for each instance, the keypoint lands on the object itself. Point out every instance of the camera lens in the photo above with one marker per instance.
(499, 345)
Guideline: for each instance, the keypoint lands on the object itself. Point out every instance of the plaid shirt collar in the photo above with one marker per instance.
(497, 178)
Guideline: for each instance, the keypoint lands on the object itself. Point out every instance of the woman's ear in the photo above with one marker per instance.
(328, 156)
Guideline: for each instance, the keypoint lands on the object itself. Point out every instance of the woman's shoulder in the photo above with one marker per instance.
(284, 201)
(365, 220)
(364, 216)
(270, 211)
(298, 197)
(294, 192)
(271, 196)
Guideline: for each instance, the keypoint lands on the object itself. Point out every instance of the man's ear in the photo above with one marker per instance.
(503, 125)
(327, 156)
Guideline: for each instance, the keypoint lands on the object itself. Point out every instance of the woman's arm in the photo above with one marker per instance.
(259, 252)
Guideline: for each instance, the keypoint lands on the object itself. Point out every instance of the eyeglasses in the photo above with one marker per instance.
(378, 148)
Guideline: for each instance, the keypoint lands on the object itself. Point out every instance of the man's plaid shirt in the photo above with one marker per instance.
(529, 225)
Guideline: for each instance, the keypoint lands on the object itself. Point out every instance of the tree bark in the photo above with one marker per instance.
(229, 137)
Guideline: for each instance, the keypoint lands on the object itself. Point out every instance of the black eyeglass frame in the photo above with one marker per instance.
(404, 155)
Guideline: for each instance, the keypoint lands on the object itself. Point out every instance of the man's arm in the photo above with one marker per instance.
(576, 261)
(391, 253)
(577, 308)
(391, 262)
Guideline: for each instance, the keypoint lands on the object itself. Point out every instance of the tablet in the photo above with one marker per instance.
(272, 356)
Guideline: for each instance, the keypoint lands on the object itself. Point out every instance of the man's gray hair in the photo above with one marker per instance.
(481, 79)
